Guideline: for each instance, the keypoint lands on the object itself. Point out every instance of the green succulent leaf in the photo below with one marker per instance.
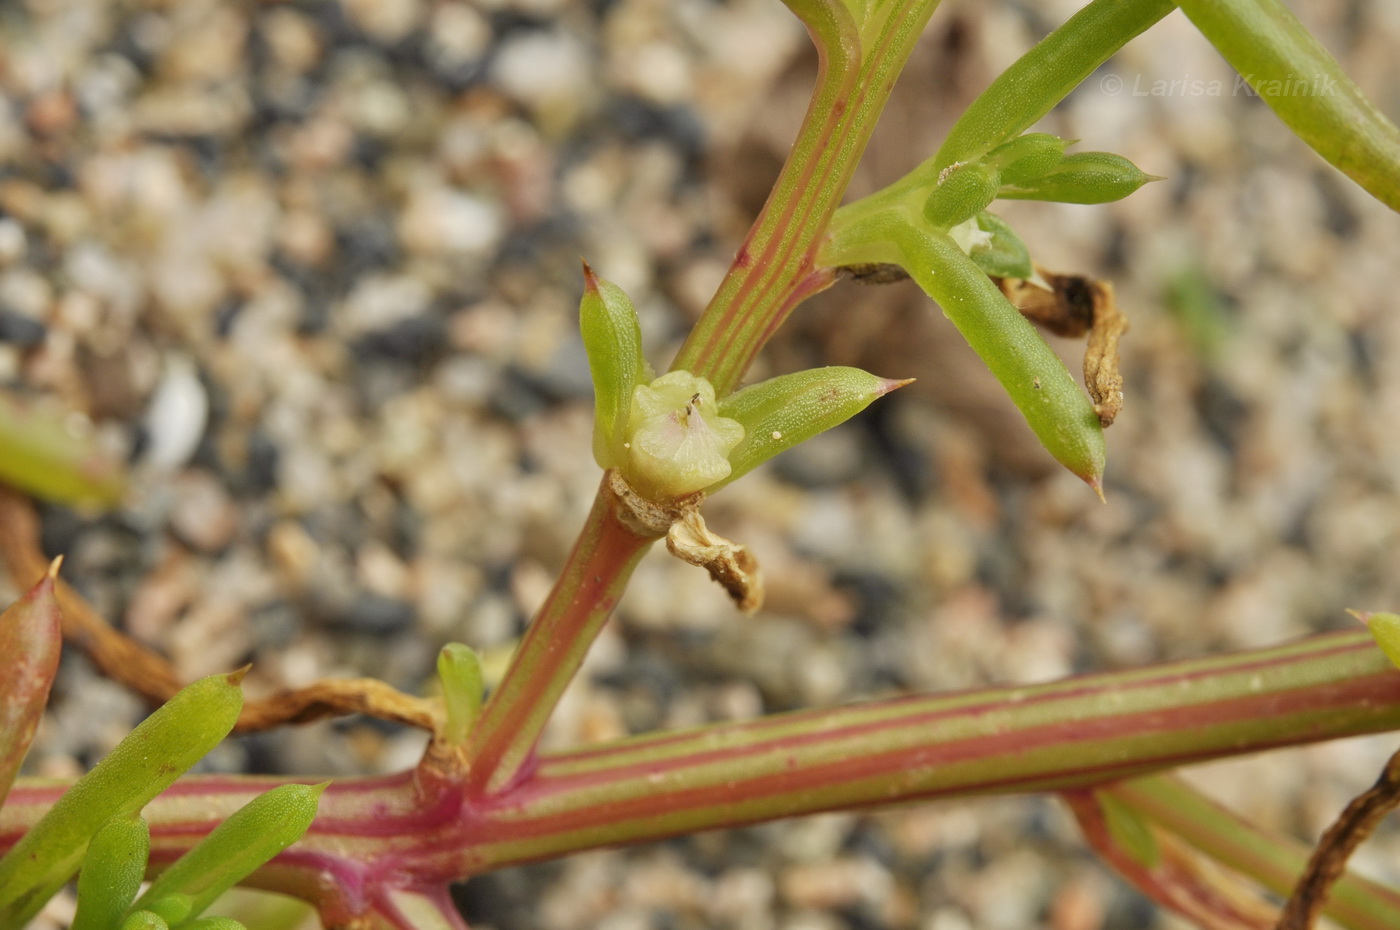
(463, 686)
(143, 765)
(612, 337)
(174, 909)
(145, 920)
(111, 873)
(1055, 407)
(1084, 177)
(962, 192)
(30, 642)
(214, 923)
(1001, 253)
(1386, 630)
(46, 458)
(251, 836)
(1046, 74)
(781, 412)
(1027, 157)
(1301, 81)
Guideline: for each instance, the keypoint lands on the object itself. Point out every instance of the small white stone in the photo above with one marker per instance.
(13, 242)
(176, 416)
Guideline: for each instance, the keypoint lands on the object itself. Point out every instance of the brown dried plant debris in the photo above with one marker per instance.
(1329, 860)
(729, 563)
(1067, 305)
(1075, 306)
(690, 540)
(149, 674)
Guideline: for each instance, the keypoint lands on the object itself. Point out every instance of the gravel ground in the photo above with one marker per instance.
(313, 269)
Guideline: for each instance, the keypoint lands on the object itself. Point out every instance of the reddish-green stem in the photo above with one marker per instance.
(554, 646)
(1273, 860)
(775, 269)
(771, 274)
(374, 835)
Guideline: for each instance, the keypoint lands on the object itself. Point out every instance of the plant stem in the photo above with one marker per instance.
(1073, 733)
(775, 268)
(554, 646)
(1272, 860)
(771, 274)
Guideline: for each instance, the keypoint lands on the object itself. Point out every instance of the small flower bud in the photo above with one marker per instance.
(677, 442)
(463, 688)
(1086, 177)
(1027, 158)
(963, 191)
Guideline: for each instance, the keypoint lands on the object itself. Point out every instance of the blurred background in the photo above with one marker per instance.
(312, 268)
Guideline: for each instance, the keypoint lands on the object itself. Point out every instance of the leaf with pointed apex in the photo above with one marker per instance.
(1084, 177)
(143, 765)
(30, 643)
(1054, 405)
(612, 337)
(1386, 630)
(1045, 75)
(781, 412)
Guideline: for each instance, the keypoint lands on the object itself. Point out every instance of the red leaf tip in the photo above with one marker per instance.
(590, 280)
(892, 384)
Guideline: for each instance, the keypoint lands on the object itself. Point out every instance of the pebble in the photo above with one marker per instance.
(176, 415)
(203, 515)
(377, 615)
(20, 331)
(13, 241)
(330, 253)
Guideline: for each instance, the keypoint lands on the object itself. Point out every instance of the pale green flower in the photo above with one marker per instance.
(677, 441)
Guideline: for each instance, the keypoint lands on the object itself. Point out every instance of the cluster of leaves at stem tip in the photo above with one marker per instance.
(95, 830)
(671, 436)
(1033, 166)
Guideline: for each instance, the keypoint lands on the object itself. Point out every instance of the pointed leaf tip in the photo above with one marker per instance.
(889, 385)
(1385, 630)
(590, 279)
(54, 566)
(236, 676)
(30, 643)
(1363, 615)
